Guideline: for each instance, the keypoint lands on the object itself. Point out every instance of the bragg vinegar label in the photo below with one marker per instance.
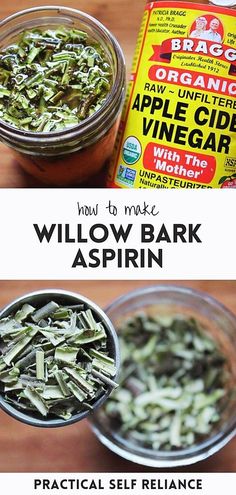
(179, 121)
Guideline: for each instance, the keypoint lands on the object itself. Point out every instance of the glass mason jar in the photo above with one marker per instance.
(220, 323)
(72, 155)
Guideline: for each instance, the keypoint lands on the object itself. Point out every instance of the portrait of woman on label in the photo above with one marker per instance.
(200, 28)
(207, 28)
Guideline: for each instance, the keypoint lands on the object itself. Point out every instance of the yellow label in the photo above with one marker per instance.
(179, 121)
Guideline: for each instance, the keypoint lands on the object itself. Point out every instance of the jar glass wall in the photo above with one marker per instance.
(74, 154)
(220, 324)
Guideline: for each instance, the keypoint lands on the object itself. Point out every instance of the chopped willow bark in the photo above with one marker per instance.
(58, 363)
(172, 381)
(52, 79)
(40, 365)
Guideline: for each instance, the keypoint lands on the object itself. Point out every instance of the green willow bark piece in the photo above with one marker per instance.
(36, 400)
(40, 365)
(16, 349)
(66, 354)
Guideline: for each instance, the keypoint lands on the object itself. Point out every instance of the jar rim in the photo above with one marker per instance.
(113, 99)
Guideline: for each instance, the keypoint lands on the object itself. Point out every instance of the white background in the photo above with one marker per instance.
(23, 257)
(212, 484)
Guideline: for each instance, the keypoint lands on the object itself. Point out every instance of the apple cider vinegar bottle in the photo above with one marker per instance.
(179, 121)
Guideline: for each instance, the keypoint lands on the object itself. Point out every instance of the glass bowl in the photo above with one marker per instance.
(38, 299)
(221, 324)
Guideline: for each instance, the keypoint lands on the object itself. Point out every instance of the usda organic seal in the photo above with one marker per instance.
(131, 150)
